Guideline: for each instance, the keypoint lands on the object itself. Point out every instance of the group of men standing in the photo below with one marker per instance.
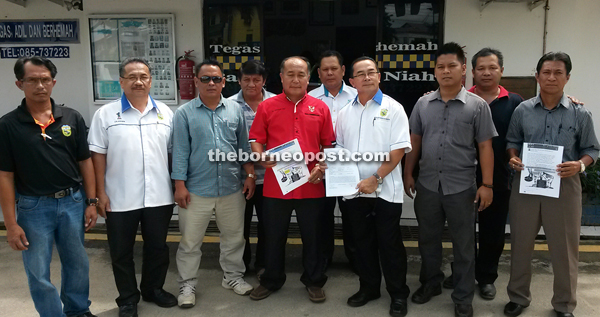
(138, 146)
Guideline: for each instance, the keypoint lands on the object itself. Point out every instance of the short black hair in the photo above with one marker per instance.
(451, 48)
(331, 53)
(253, 67)
(130, 60)
(360, 59)
(211, 62)
(298, 57)
(35, 60)
(555, 56)
(488, 51)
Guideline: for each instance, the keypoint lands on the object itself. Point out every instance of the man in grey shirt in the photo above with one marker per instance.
(549, 118)
(447, 128)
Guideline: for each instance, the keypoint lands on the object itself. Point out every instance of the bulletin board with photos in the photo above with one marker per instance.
(116, 37)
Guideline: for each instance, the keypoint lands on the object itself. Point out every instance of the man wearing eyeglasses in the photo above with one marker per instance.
(44, 158)
(130, 140)
(375, 123)
(207, 130)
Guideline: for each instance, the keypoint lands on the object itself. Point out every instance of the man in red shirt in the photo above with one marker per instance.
(291, 115)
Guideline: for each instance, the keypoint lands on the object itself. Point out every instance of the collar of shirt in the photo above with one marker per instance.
(503, 92)
(239, 98)
(198, 103)
(25, 116)
(326, 92)
(564, 101)
(378, 98)
(295, 104)
(126, 105)
(461, 96)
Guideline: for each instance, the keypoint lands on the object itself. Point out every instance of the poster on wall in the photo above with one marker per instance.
(117, 37)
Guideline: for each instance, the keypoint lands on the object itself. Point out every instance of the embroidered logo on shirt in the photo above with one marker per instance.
(66, 130)
(160, 116)
(311, 108)
(118, 116)
(383, 112)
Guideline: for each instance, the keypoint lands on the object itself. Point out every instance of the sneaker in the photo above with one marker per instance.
(187, 295)
(239, 286)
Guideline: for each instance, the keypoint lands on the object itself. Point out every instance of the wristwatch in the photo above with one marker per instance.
(91, 201)
(582, 166)
(252, 176)
(379, 178)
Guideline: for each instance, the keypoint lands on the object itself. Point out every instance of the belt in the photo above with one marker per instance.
(64, 192)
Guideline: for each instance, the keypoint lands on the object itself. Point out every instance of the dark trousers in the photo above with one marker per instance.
(276, 216)
(121, 229)
(349, 245)
(492, 225)
(327, 233)
(375, 231)
(433, 209)
(255, 202)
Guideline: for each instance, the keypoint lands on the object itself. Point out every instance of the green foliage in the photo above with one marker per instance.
(590, 181)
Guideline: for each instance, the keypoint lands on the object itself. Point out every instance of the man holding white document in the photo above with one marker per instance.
(548, 119)
(375, 123)
(292, 116)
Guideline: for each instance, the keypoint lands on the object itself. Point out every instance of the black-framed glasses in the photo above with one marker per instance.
(207, 79)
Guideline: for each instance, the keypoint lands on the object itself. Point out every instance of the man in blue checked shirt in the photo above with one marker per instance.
(253, 76)
(203, 186)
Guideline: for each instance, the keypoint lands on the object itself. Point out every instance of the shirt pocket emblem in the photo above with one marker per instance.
(66, 130)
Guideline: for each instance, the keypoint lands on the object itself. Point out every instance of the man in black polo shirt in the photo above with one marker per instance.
(44, 154)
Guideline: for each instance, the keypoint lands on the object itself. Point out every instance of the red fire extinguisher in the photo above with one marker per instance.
(185, 69)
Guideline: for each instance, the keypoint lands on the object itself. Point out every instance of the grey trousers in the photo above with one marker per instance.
(433, 209)
(561, 218)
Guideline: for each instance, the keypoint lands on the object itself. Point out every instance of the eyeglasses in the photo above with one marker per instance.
(33, 81)
(362, 76)
(134, 79)
(207, 79)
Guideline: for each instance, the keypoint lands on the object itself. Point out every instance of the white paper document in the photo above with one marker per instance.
(539, 176)
(342, 177)
(290, 174)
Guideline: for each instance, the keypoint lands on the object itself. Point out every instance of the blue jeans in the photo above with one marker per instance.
(46, 220)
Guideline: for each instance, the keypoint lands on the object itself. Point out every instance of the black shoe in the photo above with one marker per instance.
(161, 298)
(513, 309)
(561, 314)
(128, 310)
(448, 282)
(425, 293)
(487, 291)
(398, 307)
(463, 310)
(361, 298)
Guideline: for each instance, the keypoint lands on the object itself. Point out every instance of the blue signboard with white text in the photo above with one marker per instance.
(39, 31)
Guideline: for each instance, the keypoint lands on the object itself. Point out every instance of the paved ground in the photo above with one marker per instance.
(292, 299)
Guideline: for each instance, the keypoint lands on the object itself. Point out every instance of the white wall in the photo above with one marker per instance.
(518, 33)
(74, 74)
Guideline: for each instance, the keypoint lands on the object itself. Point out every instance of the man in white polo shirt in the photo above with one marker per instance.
(130, 141)
(375, 123)
(335, 94)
